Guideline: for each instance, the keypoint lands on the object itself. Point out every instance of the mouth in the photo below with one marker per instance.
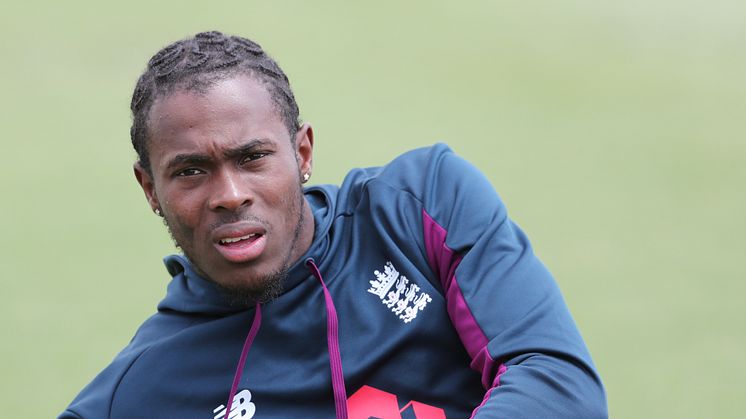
(230, 241)
(238, 245)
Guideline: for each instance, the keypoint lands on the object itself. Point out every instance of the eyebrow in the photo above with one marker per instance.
(246, 148)
(231, 153)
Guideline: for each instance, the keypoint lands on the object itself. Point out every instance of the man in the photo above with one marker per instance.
(404, 292)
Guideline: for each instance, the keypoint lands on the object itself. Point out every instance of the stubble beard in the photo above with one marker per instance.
(263, 289)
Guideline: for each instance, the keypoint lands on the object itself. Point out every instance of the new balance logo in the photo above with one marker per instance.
(242, 407)
(398, 294)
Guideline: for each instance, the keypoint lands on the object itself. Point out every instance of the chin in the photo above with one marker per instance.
(260, 289)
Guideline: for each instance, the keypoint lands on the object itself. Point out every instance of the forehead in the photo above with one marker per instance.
(224, 116)
(240, 97)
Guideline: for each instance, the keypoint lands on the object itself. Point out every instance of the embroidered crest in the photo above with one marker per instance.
(396, 292)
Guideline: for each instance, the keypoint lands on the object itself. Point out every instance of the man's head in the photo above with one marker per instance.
(222, 158)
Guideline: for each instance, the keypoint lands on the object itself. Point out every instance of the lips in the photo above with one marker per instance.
(240, 242)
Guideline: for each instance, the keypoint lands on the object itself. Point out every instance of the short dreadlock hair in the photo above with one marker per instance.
(197, 63)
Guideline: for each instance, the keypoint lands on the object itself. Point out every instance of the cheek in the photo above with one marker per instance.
(285, 204)
(182, 231)
(182, 218)
(284, 193)
(291, 196)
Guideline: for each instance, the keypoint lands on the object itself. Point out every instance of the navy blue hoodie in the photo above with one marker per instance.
(442, 310)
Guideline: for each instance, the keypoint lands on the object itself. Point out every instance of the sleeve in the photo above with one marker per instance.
(504, 304)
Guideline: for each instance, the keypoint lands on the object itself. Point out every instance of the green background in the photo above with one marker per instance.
(614, 131)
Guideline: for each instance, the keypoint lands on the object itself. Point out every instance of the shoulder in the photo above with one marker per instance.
(100, 393)
(421, 172)
(435, 176)
(406, 170)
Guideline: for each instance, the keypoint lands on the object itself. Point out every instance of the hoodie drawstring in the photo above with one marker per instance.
(244, 352)
(332, 340)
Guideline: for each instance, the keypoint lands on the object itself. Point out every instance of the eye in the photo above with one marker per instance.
(248, 158)
(189, 172)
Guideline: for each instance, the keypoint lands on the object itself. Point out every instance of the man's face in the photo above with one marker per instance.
(227, 178)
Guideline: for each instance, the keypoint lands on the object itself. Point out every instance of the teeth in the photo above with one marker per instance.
(236, 239)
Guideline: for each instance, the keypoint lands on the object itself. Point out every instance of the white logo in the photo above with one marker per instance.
(403, 299)
(242, 407)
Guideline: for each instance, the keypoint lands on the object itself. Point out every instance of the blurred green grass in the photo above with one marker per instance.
(614, 132)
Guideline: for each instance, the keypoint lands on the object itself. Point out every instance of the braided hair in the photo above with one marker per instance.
(197, 63)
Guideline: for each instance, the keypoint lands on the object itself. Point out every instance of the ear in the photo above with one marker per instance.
(148, 186)
(304, 148)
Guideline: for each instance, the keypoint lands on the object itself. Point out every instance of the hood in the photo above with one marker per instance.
(190, 293)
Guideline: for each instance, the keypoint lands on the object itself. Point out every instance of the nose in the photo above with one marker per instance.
(229, 191)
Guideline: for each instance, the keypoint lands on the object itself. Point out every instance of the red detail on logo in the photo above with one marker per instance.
(369, 402)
